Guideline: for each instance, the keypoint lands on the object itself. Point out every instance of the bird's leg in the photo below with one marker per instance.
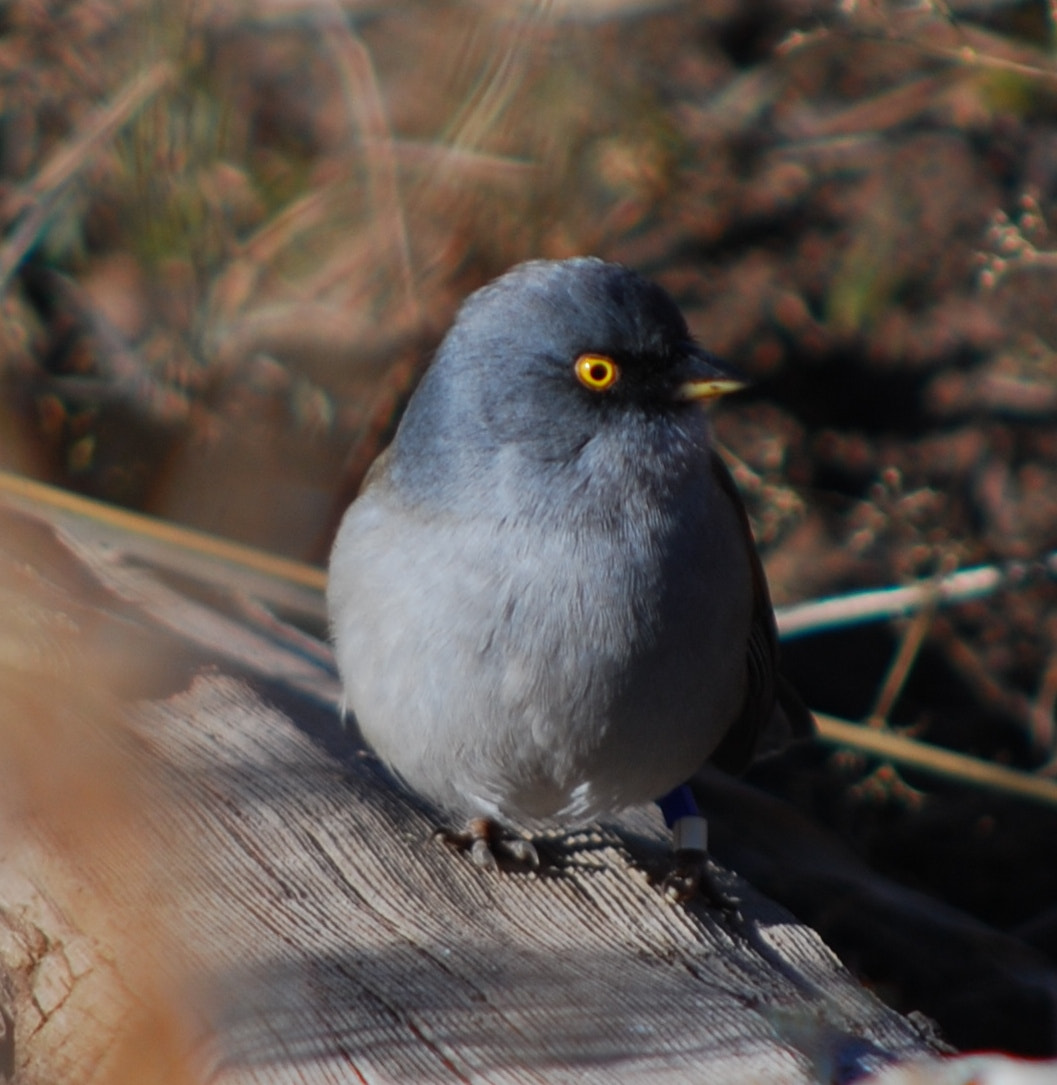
(693, 869)
(486, 844)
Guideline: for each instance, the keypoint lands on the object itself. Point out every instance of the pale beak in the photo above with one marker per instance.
(709, 389)
(706, 378)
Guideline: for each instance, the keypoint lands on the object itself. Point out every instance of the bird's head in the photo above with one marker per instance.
(555, 355)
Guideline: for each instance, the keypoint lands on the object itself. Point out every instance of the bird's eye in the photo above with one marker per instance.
(597, 372)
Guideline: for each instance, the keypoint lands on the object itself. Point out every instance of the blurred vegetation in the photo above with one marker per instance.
(268, 216)
(234, 232)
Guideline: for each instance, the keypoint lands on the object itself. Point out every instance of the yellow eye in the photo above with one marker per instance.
(597, 372)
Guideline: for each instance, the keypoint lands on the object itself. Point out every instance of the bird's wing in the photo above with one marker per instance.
(773, 712)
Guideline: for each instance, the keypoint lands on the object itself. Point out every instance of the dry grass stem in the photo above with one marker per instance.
(39, 197)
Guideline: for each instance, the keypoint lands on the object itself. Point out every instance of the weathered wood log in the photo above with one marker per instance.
(205, 877)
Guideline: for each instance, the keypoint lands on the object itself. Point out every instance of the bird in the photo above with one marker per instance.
(546, 602)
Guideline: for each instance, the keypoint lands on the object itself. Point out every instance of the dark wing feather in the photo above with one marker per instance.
(768, 695)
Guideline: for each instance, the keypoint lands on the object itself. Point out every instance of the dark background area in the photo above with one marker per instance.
(232, 235)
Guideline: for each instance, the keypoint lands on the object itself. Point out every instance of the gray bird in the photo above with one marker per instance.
(546, 602)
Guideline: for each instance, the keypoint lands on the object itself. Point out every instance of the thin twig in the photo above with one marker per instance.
(977, 48)
(946, 763)
(909, 647)
(899, 670)
(857, 608)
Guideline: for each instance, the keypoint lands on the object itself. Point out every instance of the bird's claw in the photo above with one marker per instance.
(694, 872)
(684, 878)
(488, 847)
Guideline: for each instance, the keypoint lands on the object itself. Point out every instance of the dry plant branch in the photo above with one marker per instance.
(1013, 243)
(902, 664)
(971, 665)
(971, 55)
(122, 374)
(493, 92)
(909, 647)
(365, 102)
(979, 48)
(38, 199)
(856, 608)
(961, 768)
(274, 579)
(883, 112)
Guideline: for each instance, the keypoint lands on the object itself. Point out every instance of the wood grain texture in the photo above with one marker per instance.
(249, 898)
(337, 933)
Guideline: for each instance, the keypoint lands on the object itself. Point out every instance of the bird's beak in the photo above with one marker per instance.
(712, 388)
(708, 378)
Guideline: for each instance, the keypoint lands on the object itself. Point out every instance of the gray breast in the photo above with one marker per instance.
(533, 668)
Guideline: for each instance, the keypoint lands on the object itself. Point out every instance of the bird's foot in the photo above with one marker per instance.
(489, 848)
(694, 873)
